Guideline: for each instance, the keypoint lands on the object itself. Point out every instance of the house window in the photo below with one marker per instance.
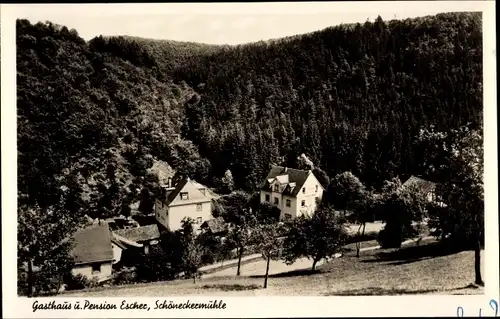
(288, 216)
(184, 196)
(303, 203)
(288, 203)
(276, 188)
(303, 190)
(267, 197)
(96, 268)
(198, 207)
(316, 188)
(276, 201)
(199, 220)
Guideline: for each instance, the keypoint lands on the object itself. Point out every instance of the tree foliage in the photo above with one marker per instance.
(316, 237)
(456, 160)
(267, 241)
(345, 192)
(44, 247)
(404, 209)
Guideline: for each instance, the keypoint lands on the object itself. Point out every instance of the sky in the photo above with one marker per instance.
(220, 23)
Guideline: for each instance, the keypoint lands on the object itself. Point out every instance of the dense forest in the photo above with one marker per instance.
(93, 116)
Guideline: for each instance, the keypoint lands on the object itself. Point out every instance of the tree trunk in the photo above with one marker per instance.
(314, 264)
(194, 278)
(59, 284)
(267, 271)
(240, 252)
(30, 278)
(477, 261)
(358, 243)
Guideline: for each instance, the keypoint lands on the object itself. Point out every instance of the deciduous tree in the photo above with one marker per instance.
(316, 237)
(267, 241)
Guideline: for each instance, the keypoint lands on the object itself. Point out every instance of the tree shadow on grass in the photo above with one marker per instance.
(406, 255)
(292, 273)
(377, 291)
(231, 287)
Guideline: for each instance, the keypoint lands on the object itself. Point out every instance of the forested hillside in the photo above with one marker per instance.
(350, 97)
(93, 116)
(90, 123)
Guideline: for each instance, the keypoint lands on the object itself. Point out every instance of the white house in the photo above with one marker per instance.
(186, 199)
(295, 192)
(93, 252)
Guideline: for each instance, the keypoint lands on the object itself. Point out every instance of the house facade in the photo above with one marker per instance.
(186, 199)
(295, 192)
(93, 252)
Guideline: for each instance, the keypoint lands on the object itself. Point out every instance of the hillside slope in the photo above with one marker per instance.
(92, 117)
(351, 97)
(91, 123)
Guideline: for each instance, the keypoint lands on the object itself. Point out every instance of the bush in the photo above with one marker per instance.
(155, 266)
(125, 276)
(389, 239)
(78, 282)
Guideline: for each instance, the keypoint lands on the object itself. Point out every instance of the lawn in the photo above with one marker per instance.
(410, 270)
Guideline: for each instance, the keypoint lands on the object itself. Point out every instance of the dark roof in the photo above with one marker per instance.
(92, 244)
(117, 242)
(208, 191)
(419, 183)
(170, 194)
(139, 234)
(296, 176)
(215, 225)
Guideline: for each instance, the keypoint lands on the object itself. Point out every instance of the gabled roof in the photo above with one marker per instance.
(215, 225)
(92, 244)
(296, 176)
(208, 191)
(117, 242)
(140, 234)
(170, 197)
(171, 194)
(419, 183)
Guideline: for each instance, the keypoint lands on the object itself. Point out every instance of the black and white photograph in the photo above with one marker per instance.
(250, 154)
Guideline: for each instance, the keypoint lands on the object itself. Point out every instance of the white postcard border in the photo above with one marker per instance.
(426, 305)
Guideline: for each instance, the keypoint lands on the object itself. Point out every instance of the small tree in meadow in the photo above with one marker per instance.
(241, 219)
(364, 213)
(316, 237)
(267, 242)
(192, 250)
